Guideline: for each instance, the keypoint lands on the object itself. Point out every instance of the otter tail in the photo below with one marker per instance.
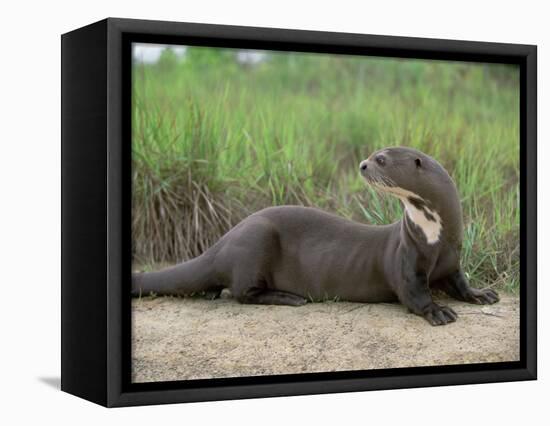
(189, 277)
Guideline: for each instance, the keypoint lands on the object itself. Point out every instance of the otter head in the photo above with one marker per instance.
(427, 191)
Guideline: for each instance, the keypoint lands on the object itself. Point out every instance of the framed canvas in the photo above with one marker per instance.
(254, 212)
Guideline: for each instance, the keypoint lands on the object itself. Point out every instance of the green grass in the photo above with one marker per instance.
(214, 141)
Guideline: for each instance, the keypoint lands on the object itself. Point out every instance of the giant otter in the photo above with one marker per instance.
(287, 255)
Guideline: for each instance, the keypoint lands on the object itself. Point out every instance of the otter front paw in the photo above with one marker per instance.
(482, 297)
(439, 315)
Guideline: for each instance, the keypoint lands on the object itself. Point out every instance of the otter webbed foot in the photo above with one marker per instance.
(439, 315)
(212, 294)
(456, 285)
(271, 297)
(415, 295)
(485, 296)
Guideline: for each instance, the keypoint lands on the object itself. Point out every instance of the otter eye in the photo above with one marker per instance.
(380, 160)
(418, 162)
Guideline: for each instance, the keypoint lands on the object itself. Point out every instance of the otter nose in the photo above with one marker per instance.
(363, 165)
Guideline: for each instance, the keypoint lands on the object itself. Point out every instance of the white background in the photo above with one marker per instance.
(30, 211)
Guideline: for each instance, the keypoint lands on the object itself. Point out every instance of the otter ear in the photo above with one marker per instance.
(418, 163)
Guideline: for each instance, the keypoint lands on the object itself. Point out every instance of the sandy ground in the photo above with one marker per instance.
(181, 339)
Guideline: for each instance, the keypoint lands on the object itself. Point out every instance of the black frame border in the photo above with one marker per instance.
(114, 380)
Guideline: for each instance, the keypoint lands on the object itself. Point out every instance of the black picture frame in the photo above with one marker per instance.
(96, 195)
